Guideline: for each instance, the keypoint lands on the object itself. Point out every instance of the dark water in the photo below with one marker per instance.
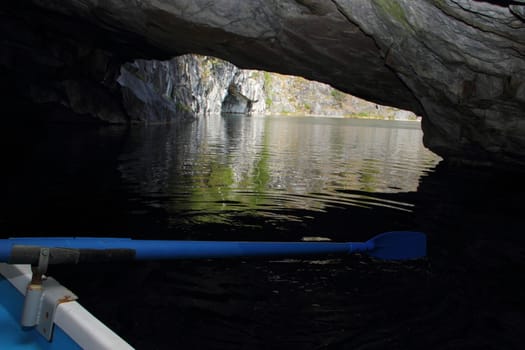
(252, 178)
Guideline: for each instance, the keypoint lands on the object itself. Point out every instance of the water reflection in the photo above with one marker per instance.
(278, 179)
(221, 166)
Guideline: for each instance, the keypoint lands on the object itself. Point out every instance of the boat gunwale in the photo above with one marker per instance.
(72, 318)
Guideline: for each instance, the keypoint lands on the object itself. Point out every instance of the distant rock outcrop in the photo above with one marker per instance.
(188, 86)
(192, 86)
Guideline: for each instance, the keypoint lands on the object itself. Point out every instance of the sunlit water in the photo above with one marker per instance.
(286, 179)
(274, 167)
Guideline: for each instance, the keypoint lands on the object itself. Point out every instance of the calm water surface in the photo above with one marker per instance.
(277, 178)
(274, 168)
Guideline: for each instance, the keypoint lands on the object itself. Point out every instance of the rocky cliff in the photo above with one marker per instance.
(193, 86)
(188, 86)
(298, 96)
(458, 63)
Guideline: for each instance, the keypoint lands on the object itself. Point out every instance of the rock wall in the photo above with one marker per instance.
(193, 86)
(188, 86)
(298, 96)
(465, 61)
(458, 63)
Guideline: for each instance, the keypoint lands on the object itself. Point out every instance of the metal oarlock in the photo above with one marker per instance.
(43, 295)
(34, 291)
(31, 305)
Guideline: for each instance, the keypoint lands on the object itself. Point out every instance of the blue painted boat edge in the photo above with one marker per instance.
(75, 327)
(13, 336)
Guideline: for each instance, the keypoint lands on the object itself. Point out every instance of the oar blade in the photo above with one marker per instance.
(399, 245)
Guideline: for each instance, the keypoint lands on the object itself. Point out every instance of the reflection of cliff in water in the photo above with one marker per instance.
(234, 163)
(466, 295)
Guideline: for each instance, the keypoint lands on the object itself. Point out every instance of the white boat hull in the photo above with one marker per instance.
(74, 326)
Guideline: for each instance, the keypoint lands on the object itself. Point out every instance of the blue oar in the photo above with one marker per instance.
(398, 245)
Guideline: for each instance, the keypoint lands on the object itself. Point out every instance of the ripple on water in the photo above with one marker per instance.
(243, 178)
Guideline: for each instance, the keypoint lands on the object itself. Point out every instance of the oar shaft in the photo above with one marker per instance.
(212, 249)
(155, 249)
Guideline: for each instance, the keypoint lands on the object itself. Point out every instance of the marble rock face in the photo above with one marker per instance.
(460, 64)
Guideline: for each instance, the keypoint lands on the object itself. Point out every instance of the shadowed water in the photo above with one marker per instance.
(276, 178)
